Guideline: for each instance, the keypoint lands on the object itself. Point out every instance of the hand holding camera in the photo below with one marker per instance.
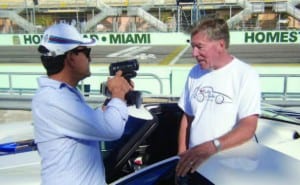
(118, 86)
(126, 69)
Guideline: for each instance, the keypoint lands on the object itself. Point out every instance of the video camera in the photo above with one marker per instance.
(128, 68)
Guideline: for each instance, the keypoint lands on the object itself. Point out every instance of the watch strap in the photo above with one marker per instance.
(217, 144)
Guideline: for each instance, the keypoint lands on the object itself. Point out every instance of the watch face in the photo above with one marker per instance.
(217, 144)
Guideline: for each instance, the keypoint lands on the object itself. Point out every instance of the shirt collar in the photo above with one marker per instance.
(46, 81)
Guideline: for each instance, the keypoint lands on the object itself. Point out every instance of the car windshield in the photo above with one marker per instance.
(275, 115)
(163, 173)
(117, 153)
(132, 127)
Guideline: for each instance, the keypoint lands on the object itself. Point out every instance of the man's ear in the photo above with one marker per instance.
(222, 43)
(69, 60)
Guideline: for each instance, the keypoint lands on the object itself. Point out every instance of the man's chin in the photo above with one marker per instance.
(203, 65)
(87, 75)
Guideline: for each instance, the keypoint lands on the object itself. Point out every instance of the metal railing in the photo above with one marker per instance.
(14, 83)
(282, 87)
(274, 86)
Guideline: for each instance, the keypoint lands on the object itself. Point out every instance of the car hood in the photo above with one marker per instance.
(249, 164)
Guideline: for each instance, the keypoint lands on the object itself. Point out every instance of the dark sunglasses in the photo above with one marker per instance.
(85, 51)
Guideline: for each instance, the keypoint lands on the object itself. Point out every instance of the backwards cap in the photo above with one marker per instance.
(60, 38)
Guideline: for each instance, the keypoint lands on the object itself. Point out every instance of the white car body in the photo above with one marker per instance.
(273, 159)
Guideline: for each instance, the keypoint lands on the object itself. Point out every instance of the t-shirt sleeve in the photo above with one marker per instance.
(185, 100)
(251, 96)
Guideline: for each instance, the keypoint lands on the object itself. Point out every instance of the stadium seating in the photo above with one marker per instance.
(32, 16)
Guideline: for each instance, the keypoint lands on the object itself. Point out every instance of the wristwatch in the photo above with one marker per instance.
(217, 144)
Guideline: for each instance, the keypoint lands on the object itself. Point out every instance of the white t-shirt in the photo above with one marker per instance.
(219, 98)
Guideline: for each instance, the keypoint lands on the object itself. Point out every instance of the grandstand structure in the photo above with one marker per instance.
(33, 16)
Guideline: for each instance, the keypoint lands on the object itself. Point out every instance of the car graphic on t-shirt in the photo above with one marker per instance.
(208, 94)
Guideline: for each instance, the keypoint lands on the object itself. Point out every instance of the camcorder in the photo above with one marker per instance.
(128, 68)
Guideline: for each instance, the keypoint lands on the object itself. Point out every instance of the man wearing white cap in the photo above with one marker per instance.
(67, 130)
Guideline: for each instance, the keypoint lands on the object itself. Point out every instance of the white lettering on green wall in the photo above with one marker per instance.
(138, 38)
(271, 37)
(129, 39)
(32, 39)
(250, 37)
(91, 36)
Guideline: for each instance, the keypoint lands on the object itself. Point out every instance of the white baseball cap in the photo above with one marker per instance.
(60, 38)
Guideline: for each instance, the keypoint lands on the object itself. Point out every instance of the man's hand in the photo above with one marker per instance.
(191, 159)
(118, 86)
